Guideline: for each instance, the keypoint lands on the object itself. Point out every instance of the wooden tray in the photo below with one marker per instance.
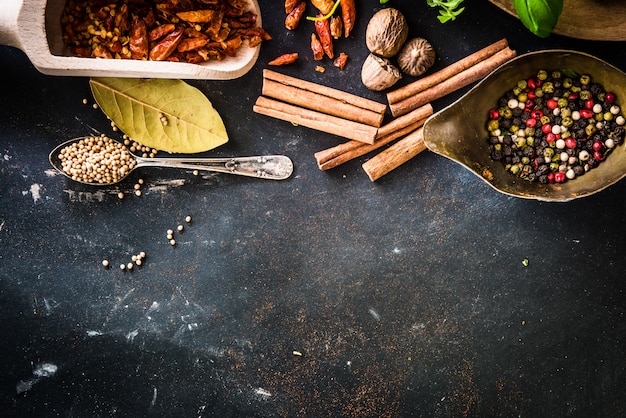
(595, 20)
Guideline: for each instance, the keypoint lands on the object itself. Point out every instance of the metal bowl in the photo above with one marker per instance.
(459, 131)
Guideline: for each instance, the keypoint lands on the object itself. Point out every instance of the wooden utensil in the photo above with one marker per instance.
(586, 19)
(34, 27)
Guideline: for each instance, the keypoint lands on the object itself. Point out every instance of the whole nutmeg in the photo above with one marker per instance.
(379, 73)
(416, 57)
(386, 32)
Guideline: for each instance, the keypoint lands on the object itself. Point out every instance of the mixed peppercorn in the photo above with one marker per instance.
(554, 126)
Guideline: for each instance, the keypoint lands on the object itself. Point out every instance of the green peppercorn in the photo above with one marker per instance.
(522, 97)
(590, 129)
(608, 116)
(556, 74)
(585, 79)
(567, 82)
(506, 112)
(529, 131)
(497, 147)
(515, 169)
(562, 102)
(565, 134)
(548, 153)
(538, 92)
(544, 119)
(586, 95)
(567, 121)
(513, 129)
(554, 166)
(525, 160)
(520, 141)
(530, 141)
(517, 91)
(565, 112)
(492, 125)
(548, 87)
(522, 84)
(575, 89)
(598, 117)
(542, 75)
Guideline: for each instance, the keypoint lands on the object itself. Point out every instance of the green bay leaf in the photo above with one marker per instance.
(137, 107)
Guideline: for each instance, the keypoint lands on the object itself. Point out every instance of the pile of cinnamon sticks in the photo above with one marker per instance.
(361, 120)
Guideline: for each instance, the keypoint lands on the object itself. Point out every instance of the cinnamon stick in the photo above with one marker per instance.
(445, 73)
(456, 82)
(396, 155)
(321, 103)
(334, 157)
(333, 95)
(315, 120)
(339, 154)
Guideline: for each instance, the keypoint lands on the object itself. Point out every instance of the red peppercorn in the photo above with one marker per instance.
(550, 137)
(551, 177)
(559, 177)
(546, 128)
(536, 114)
(531, 83)
(609, 98)
(531, 122)
(570, 143)
(597, 155)
(552, 104)
(597, 146)
(586, 113)
(494, 114)
(589, 103)
(572, 97)
(531, 95)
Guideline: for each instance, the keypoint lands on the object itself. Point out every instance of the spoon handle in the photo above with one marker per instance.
(271, 167)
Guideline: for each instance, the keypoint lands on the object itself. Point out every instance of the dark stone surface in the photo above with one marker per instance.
(406, 297)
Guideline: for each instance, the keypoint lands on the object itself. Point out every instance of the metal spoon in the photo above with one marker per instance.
(271, 167)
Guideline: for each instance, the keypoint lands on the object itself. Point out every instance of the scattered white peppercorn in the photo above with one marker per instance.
(122, 266)
(105, 263)
(180, 228)
(188, 219)
(137, 192)
(172, 242)
(129, 266)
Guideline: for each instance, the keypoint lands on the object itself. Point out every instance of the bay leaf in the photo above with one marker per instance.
(139, 108)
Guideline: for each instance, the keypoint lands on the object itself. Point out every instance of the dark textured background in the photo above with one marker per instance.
(406, 297)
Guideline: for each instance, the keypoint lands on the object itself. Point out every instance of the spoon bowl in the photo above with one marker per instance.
(459, 131)
(270, 167)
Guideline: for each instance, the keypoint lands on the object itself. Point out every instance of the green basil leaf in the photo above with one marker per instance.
(539, 16)
(168, 115)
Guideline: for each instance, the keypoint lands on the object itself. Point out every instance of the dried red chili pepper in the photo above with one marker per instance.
(138, 41)
(293, 19)
(290, 5)
(316, 47)
(163, 49)
(160, 31)
(336, 27)
(340, 61)
(324, 6)
(348, 15)
(284, 59)
(322, 27)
